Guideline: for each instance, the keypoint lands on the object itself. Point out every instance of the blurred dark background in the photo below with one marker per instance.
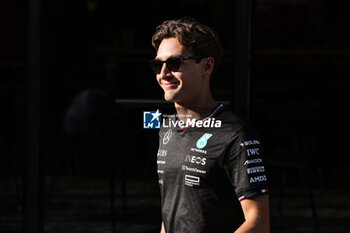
(96, 166)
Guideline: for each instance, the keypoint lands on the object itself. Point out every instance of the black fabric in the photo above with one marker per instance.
(205, 171)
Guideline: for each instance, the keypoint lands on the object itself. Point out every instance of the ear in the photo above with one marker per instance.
(208, 65)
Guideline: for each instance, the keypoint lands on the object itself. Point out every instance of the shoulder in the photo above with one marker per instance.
(234, 125)
(237, 131)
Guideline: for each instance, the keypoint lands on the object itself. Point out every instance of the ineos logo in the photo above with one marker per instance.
(167, 136)
(195, 159)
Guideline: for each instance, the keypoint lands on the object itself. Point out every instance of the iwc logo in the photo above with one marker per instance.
(167, 136)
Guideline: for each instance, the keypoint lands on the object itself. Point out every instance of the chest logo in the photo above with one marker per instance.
(167, 136)
(202, 142)
(195, 159)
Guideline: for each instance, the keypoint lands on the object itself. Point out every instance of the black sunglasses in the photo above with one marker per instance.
(172, 63)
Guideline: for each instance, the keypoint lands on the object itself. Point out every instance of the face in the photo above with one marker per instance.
(185, 84)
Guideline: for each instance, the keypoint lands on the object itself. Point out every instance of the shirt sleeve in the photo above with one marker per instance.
(244, 164)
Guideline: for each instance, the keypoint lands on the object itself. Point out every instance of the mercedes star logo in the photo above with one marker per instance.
(167, 136)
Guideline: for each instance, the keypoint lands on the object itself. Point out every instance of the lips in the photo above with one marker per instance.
(170, 84)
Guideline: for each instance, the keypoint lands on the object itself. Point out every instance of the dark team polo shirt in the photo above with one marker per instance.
(205, 169)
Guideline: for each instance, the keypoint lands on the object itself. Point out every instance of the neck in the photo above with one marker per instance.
(195, 109)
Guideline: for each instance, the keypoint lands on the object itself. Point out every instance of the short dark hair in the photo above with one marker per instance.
(200, 39)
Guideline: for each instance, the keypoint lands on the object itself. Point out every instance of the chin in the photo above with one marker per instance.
(170, 97)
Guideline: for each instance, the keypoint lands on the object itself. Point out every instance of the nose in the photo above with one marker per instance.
(165, 72)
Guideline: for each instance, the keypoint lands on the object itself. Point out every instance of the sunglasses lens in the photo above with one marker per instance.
(156, 66)
(173, 64)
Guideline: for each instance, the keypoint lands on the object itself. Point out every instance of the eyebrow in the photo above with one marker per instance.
(157, 58)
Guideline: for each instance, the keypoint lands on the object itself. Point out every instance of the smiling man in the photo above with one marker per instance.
(211, 176)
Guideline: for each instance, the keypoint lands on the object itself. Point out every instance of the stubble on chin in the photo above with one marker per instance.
(168, 97)
(171, 96)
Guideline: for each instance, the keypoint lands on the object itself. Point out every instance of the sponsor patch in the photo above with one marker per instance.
(202, 142)
(253, 151)
(195, 159)
(252, 161)
(251, 142)
(193, 169)
(258, 179)
(167, 137)
(192, 180)
(255, 169)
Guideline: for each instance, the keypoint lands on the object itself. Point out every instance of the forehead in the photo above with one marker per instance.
(171, 47)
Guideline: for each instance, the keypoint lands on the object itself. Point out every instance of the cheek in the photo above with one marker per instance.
(192, 80)
(158, 79)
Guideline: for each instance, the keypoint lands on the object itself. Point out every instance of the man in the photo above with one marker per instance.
(211, 173)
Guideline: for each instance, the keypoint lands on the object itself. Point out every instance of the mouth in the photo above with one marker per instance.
(170, 85)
